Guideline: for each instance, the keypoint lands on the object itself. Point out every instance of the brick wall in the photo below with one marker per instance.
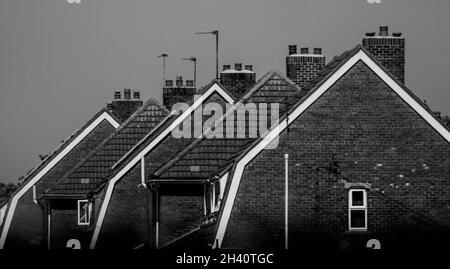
(378, 140)
(181, 210)
(301, 69)
(390, 52)
(237, 83)
(128, 221)
(64, 225)
(26, 228)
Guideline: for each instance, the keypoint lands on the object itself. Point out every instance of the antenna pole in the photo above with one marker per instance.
(216, 33)
(164, 56)
(193, 59)
(195, 73)
(217, 54)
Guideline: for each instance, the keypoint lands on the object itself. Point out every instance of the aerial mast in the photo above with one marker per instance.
(216, 33)
(164, 56)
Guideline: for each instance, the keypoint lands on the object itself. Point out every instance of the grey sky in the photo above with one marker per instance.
(60, 62)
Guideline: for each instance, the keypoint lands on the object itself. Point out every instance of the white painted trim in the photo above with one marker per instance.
(286, 201)
(351, 207)
(111, 183)
(49, 227)
(34, 195)
(2, 213)
(79, 211)
(360, 56)
(104, 116)
(222, 185)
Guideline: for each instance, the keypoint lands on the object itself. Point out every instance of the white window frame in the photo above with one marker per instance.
(352, 207)
(79, 202)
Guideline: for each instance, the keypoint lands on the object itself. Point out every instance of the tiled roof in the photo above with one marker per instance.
(205, 156)
(60, 148)
(157, 131)
(94, 168)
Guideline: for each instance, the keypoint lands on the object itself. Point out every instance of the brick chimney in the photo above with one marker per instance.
(303, 67)
(388, 49)
(124, 105)
(237, 81)
(180, 92)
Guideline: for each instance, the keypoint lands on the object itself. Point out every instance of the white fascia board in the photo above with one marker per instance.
(360, 56)
(111, 183)
(13, 201)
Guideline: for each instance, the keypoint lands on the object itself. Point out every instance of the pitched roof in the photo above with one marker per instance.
(206, 156)
(59, 149)
(163, 125)
(93, 169)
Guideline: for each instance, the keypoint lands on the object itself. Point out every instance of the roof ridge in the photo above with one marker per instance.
(191, 102)
(261, 82)
(100, 146)
(58, 148)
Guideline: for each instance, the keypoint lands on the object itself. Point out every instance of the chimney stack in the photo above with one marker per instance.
(237, 81)
(178, 93)
(388, 49)
(123, 108)
(303, 67)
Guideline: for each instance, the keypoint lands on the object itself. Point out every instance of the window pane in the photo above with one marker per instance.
(358, 198)
(357, 219)
(83, 212)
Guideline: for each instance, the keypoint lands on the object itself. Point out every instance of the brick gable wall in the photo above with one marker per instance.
(378, 140)
(120, 221)
(26, 228)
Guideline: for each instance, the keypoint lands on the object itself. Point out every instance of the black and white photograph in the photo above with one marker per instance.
(251, 127)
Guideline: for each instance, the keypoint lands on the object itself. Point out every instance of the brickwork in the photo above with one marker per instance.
(378, 140)
(26, 228)
(302, 68)
(130, 217)
(389, 51)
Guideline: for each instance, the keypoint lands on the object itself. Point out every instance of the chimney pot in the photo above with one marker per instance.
(136, 95)
(117, 95)
(318, 51)
(384, 30)
(397, 34)
(292, 49)
(169, 83)
(304, 50)
(370, 34)
(179, 81)
(238, 66)
(226, 67)
(189, 83)
(249, 67)
(127, 94)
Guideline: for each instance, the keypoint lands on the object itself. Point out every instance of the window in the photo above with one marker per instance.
(84, 212)
(357, 210)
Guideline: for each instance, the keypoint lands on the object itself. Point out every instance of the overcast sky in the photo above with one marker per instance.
(60, 62)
